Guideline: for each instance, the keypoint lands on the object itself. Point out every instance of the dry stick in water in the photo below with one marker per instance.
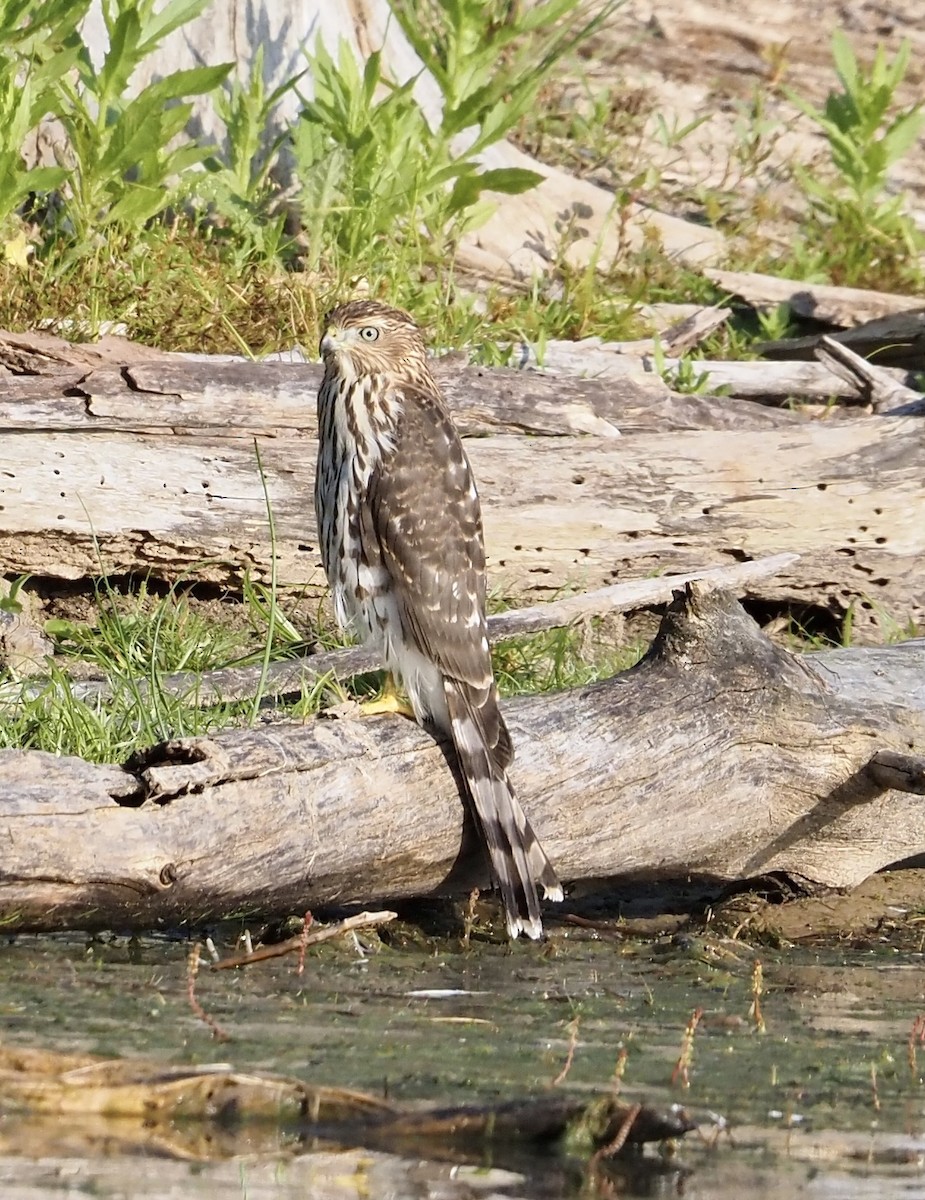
(469, 919)
(682, 1066)
(192, 970)
(570, 1056)
(619, 1070)
(757, 991)
(916, 1034)
(307, 922)
(616, 1144)
(873, 1087)
(363, 920)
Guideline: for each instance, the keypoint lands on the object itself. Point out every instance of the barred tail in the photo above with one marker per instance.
(518, 861)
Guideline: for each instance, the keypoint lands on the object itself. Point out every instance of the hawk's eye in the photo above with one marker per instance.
(369, 333)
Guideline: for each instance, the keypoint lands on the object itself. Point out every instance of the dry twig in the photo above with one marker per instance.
(325, 933)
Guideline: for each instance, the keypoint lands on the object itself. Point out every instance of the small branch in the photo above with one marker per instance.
(875, 384)
(898, 772)
(615, 1145)
(288, 677)
(363, 920)
(687, 334)
(192, 970)
(573, 1027)
(637, 593)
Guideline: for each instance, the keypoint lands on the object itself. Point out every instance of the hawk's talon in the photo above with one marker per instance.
(387, 704)
(389, 701)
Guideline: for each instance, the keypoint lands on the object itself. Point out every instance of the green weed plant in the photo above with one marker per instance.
(859, 232)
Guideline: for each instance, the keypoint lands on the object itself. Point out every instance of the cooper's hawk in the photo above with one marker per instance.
(401, 539)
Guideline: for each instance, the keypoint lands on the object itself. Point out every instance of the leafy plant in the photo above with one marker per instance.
(856, 226)
(122, 158)
(38, 45)
(683, 376)
(239, 181)
(9, 594)
(373, 166)
(491, 58)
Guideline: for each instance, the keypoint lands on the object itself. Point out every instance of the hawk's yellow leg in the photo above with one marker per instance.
(390, 701)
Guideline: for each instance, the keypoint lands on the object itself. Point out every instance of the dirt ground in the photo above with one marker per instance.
(710, 59)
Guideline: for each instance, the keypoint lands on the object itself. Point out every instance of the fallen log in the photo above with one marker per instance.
(842, 306)
(206, 1112)
(234, 400)
(719, 756)
(167, 483)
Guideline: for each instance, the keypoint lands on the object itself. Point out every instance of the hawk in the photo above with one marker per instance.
(400, 528)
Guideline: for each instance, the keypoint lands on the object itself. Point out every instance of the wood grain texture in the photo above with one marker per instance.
(843, 306)
(719, 755)
(166, 481)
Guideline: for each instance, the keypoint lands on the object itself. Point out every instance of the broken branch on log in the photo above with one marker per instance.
(290, 676)
(896, 340)
(275, 820)
(902, 772)
(877, 387)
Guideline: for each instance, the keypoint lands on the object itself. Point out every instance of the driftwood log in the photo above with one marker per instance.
(839, 306)
(152, 468)
(719, 756)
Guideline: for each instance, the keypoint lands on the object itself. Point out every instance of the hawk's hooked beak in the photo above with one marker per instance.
(331, 340)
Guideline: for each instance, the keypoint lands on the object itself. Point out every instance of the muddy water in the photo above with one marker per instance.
(824, 1103)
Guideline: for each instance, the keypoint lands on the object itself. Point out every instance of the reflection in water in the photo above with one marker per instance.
(827, 1103)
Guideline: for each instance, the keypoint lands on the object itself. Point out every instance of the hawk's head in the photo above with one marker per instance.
(364, 337)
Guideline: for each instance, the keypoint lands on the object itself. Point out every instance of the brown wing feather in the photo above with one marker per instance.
(426, 519)
(428, 523)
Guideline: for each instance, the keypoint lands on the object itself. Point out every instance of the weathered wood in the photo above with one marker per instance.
(168, 483)
(877, 386)
(767, 382)
(842, 306)
(776, 382)
(894, 341)
(239, 399)
(38, 353)
(719, 756)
